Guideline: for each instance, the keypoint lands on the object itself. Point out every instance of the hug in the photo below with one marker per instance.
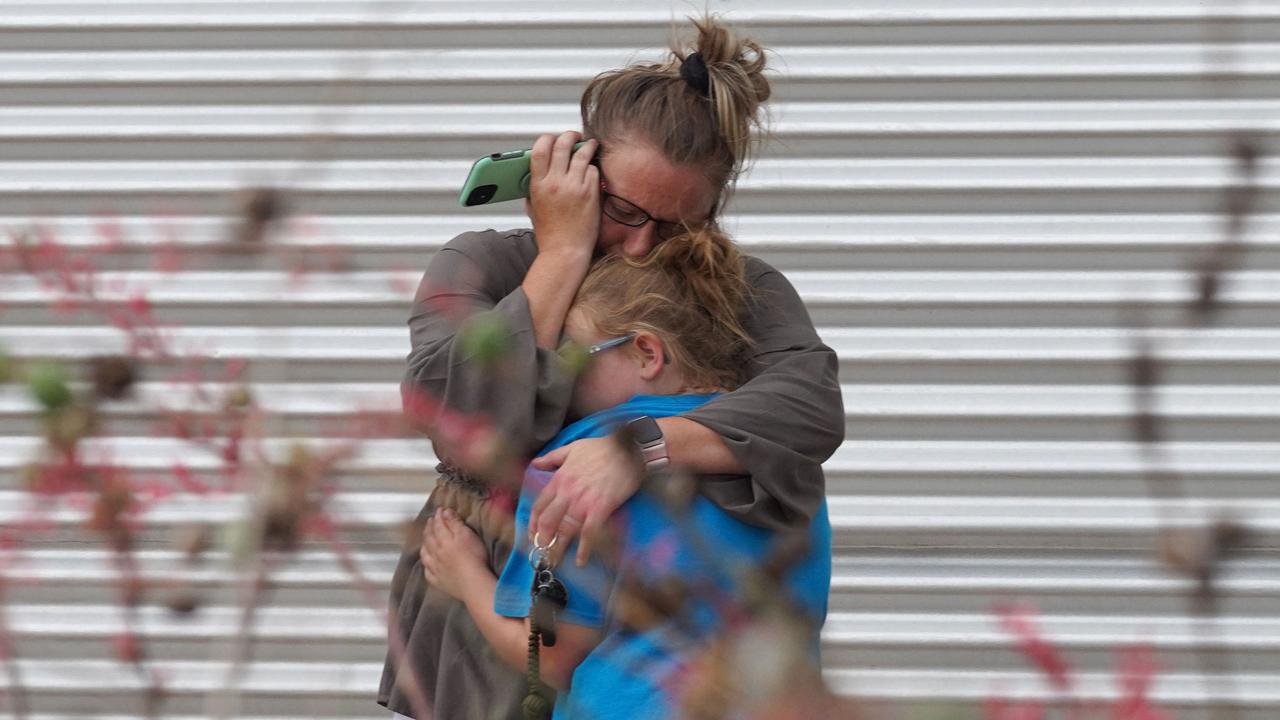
(705, 355)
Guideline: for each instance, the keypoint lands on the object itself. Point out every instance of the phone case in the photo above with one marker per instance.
(498, 177)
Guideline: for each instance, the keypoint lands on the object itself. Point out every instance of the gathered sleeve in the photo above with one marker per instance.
(473, 346)
(785, 421)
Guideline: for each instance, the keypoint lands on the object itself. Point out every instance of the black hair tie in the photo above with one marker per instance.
(693, 69)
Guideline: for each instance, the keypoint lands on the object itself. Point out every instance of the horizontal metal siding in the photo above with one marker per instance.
(972, 199)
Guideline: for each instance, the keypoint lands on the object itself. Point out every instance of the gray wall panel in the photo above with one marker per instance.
(975, 200)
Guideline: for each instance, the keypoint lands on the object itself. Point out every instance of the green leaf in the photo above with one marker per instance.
(48, 383)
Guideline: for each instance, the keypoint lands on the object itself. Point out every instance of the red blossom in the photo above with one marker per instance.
(1019, 620)
(1136, 668)
(140, 306)
(153, 491)
(188, 481)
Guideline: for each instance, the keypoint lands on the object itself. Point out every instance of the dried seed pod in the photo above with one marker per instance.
(112, 376)
(182, 602)
(284, 500)
(259, 209)
(1228, 535)
(238, 398)
(280, 529)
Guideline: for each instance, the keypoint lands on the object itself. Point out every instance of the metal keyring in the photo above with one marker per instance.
(538, 545)
(538, 549)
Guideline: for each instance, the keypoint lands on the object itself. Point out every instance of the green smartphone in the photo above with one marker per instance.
(498, 177)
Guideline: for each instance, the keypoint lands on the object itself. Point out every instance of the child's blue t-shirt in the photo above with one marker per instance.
(630, 674)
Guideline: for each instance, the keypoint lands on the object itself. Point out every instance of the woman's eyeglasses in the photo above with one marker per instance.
(624, 211)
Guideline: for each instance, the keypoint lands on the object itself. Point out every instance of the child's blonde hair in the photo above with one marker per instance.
(690, 292)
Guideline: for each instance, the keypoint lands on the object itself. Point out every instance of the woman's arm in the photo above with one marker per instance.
(786, 420)
(766, 440)
(698, 447)
(470, 325)
(564, 204)
(487, 316)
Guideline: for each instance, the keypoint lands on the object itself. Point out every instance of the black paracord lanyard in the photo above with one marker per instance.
(549, 597)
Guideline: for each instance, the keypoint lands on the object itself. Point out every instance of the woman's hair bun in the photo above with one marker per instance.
(737, 85)
(699, 107)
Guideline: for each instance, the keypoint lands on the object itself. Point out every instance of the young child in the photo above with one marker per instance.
(662, 337)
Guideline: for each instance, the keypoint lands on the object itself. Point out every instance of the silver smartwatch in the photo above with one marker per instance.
(648, 438)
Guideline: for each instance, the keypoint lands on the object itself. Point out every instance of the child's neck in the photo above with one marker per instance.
(671, 382)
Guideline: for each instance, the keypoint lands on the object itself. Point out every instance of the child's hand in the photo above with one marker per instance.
(453, 555)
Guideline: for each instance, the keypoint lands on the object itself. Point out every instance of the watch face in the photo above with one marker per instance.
(645, 430)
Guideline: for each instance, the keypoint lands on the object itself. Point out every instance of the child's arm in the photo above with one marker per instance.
(455, 562)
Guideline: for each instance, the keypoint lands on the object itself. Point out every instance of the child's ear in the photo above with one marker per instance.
(651, 354)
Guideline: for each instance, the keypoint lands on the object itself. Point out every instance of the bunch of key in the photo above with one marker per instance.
(549, 598)
(549, 594)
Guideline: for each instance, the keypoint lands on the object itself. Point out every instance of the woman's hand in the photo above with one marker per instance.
(453, 556)
(593, 477)
(564, 195)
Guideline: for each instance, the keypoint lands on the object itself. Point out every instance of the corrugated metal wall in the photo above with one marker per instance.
(974, 198)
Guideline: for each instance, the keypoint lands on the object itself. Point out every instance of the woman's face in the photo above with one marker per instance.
(611, 377)
(644, 176)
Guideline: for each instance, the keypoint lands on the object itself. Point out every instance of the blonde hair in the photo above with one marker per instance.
(653, 103)
(690, 292)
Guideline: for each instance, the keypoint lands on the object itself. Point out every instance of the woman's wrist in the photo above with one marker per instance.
(550, 285)
(568, 253)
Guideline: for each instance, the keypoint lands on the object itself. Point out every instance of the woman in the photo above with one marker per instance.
(667, 340)
(669, 140)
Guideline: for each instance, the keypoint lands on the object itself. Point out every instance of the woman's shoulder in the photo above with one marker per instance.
(490, 243)
(756, 268)
(498, 253)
